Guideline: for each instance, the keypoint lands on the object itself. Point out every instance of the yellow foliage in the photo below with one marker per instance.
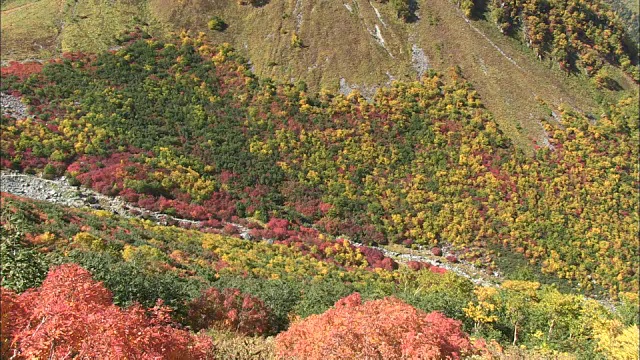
(528, 288)
(616, 341)
(89, 241)
(145, 255)
(483, 311)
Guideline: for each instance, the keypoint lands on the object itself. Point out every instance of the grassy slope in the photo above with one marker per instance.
(45, 28)
(633, 5)
(338, 43)
(30, 29)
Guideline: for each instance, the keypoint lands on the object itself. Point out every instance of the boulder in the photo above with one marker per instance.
(436, 251)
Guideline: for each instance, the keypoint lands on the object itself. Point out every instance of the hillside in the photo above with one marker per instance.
(186, 129)
(356, 45)
(291, 179)
(628, 11)
(269, 284)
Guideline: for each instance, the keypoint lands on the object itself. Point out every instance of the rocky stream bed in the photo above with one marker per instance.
(60, 191)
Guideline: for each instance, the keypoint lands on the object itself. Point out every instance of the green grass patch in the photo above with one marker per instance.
(31, 31)
(7, 5)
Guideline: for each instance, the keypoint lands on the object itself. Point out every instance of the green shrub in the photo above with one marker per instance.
(217, 24)
(49, 172)
(448, 293)
(319, 296)
(21, 267)
(129, 283)
(403, 9)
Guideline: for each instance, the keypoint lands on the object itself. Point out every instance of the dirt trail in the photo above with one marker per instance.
(489, 41)
(24, 6)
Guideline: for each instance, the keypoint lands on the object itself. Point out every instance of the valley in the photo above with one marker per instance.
(297, 179)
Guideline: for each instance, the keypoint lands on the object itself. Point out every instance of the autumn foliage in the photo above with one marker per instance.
(185, 129)
(229, 309)
(563, 31)
(72, 316)
(21, 70)
(380, 329)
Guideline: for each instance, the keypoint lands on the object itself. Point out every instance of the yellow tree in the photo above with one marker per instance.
(484, 312)
(518, 297)
(617, 341)
(562, 309)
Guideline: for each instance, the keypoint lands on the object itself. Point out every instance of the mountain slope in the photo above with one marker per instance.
(344, 45)
(186, 129)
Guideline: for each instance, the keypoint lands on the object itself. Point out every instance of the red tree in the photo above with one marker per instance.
(12, 318)
(380, 329)
(71, 315)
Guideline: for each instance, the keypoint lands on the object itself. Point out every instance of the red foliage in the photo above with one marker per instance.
(71, 315)
(452, 258)
(5, 163)
(419, 265)
(376, 259)
(437, 270)
(324, 207)
(415, 265)
(13, 317)
(213, 223)
(380, 329)
(231, 309)
(21, 70)
(436, 251)
(230, 229)
(279, 228)
(108, 175)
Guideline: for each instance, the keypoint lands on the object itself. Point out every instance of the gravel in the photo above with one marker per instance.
(60, 192)
(12, 106)
(419, 60)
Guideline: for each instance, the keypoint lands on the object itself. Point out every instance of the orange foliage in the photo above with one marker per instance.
(72, 316)
(12, 318)
(21, 70)
(380, 329)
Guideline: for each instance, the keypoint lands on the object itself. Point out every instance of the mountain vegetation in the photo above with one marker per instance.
(185, 128)
(574, 33)
(218, 283)
(336, 45)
